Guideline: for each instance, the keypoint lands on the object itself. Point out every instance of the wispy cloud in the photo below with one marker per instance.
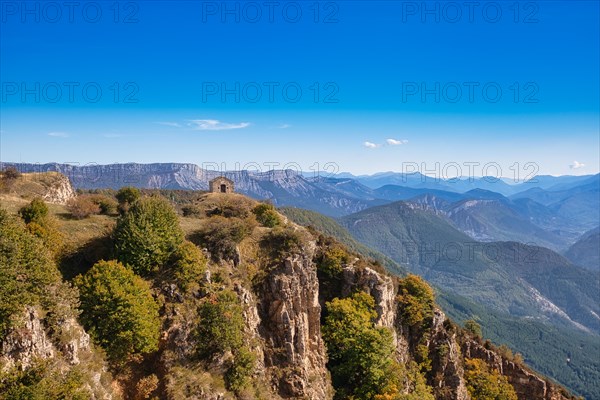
(171, 124)
(58, 134)
(112, 135)
(395, 142)
(388, 142)
(576, 165)
(215, 125)
(284, 126)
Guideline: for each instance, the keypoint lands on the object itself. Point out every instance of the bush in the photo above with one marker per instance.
(36, 211)
(41, 224)
(107, 204)
(193, 211)
(118, 310)
(473, 328)
(44, 380)
(331, 260)
(416, 300)
(282, 242)
(147, 235)
(238, 374)
(83, 206)
(484, 384)
(126, 196)
(221, 324)
(27, 271)
(11, 174)
(189, 266)
(229, 207)
(221, 236)
(266, 215)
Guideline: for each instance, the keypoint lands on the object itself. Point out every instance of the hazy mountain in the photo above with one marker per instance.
(505, 186)
(579, 205)
(586, 251)
(494, 220)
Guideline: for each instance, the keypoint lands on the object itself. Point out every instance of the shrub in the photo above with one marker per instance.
(36, 211)
(192, 211)
(43, 380)
(229, 207)
(416, 300)
(238, 374)
(473, 328)
(331, 260)
(27, 271)
(221, 324)
(266, 215)
(107, 204)
(147, 235)
(82, 207)
(484, 384)
(189, 266)
(118, 310)
(281, 242)
(11, 174)
(126, 196)
(41, 224)
(221, 236)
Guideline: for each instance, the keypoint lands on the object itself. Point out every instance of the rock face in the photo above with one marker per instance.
(23, 345)
(60, 191)
(447, 365)
(289, 311)
(30, 341)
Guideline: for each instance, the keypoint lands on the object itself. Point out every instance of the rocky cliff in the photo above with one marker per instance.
(281, 294)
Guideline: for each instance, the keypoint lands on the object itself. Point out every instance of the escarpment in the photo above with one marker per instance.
(289, 309)
(243, 306)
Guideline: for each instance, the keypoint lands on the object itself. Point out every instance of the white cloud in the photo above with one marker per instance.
(171, 124)
(284, 126)
(112, 135)
(58, 134)
(370, 145)
(395, 142)
(215, 125)
(576, 165)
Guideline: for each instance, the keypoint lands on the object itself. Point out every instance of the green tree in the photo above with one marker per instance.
(40, 223)
(238, 374)
(266, 215)
(118, 310)
(27, 270)
(147, 235)
(189, 266)
(484, 384)
(360, 354)
(473, 328)
(36, 211)
(221, 324)
(416, 299)
(126, 196)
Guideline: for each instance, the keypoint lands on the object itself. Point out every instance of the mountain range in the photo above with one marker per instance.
(554, 214)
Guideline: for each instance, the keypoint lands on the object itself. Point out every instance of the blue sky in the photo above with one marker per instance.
(368, 86)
